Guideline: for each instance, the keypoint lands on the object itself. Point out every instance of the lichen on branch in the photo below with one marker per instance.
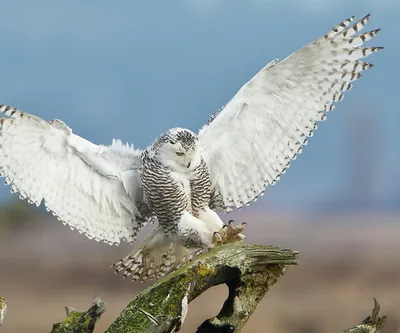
(248, 270)
(83, 322)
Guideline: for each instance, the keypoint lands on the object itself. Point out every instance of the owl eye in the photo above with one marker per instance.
(179, 153)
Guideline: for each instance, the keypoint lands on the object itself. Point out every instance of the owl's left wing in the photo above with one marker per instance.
(252, 140)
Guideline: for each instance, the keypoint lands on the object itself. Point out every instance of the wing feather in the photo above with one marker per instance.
(251, 141)
(94, 189)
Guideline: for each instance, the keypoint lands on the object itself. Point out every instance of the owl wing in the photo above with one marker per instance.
(253, 139)
(92, 188)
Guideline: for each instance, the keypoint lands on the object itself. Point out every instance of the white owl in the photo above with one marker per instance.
(110, 192)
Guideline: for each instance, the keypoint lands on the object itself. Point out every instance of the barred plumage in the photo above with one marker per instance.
(200, 188)
(110, 192)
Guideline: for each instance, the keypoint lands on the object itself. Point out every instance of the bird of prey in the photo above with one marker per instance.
(182, 179)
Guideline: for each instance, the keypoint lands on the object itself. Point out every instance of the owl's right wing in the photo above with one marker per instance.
(93, 188)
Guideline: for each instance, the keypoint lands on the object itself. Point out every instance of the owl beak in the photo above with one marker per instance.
(188, 165)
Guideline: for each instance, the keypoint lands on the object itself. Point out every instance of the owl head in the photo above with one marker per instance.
(176, 150)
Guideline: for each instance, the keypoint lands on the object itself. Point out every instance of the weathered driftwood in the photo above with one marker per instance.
(248, 270)
(371, 324)
(3, 309)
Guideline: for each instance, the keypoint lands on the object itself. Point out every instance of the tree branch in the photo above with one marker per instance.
(248, 270)
(75, 322)
(81, 322)
(3, 309)
(371, 324)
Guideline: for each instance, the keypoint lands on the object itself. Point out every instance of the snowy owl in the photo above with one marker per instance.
(182, 179)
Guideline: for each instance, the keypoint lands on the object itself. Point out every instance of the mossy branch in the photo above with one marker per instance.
(371, 324)
(75, 322)
(81, 322)
(248, 270)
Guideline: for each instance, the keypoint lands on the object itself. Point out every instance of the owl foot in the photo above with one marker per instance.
(233, 231)
(229, 233)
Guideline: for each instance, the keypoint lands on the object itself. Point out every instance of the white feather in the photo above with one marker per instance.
(94, 189)
(251, 142)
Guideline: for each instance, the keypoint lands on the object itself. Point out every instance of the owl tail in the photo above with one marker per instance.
(155, 257)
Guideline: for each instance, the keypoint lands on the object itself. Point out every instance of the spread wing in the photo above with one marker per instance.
(252, 140)
(94, 189)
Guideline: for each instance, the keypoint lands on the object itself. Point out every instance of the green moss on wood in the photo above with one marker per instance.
(248, 270)
(251, 268)
(82, 322)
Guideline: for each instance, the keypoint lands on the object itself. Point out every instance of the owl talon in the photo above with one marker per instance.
(239, 228)
(216, 239)
(233, 230)
(229, 233)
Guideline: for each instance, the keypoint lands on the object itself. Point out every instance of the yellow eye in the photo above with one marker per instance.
(179, 153)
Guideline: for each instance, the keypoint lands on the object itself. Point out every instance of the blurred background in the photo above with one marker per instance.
(132, 70)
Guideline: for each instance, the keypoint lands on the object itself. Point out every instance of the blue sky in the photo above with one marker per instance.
(134, 69)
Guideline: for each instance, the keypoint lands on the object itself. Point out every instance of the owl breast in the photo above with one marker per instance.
(165, 193)
(184, 183)
(170, 194)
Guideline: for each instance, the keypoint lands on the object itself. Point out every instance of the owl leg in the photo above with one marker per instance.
(211, 219)
(214, 224)
(194, 232)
